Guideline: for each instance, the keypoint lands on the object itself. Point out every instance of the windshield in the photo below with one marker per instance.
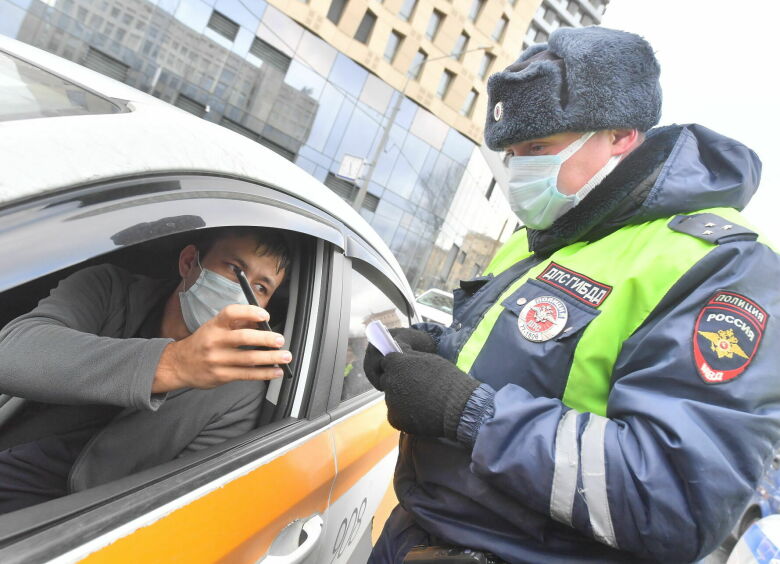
(29, 92)
(442, 302)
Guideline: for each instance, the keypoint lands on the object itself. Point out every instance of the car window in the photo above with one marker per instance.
(256, 407)
(27, 91)
(367, 303)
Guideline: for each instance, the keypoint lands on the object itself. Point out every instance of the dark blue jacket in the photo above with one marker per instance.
(681, 456)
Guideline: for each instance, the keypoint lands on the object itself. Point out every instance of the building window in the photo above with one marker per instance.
(468, 105)
(490, 189)
(336, 10)
(105, 64)
(270, 54)
(238, 128)
(348, 191)
(500, 29)
(223, 25)
(461, 45)
(363, 33)
(476, 9)
(485, 65)
(190, 105)
(276, 148)
(434, 24)
(587, 20)
(444, 83)
(407, 9)
(415, 70)
(530, 34)
(393, 45)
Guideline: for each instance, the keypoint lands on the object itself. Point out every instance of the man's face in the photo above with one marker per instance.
(261, 271)
(578, 168)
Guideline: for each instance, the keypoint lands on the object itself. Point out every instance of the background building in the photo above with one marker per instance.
(383, 101)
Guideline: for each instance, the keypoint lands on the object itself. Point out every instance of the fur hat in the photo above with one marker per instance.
(584, 79)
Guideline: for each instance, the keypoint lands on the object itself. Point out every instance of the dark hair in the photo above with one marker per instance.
(269, 241)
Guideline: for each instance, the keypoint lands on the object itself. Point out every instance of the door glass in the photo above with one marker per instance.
(368, 303)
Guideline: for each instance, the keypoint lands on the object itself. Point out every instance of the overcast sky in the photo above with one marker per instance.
(719, 62)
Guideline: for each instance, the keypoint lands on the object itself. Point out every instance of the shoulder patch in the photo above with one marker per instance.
(577, 285)
(726, 336)
(711, 227)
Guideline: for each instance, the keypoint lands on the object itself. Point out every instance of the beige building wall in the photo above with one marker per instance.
(313, 15)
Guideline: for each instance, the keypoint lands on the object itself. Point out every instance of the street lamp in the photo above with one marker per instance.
(361, 195)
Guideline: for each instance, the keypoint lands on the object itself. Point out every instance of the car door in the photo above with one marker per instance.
(262, 495)
(366, 446)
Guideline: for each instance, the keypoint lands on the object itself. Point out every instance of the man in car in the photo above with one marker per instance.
(125, 371)
(608, 390)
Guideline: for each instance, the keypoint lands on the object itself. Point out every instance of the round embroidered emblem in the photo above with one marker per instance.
(498, 111)
(542, 318)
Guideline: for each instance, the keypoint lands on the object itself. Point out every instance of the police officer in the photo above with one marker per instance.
(608, 389)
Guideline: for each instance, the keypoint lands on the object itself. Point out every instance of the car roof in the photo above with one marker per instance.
(44, 155)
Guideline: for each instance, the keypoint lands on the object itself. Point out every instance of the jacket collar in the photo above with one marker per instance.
(614, 202)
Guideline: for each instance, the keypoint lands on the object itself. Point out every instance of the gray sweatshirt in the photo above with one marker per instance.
(78, 347)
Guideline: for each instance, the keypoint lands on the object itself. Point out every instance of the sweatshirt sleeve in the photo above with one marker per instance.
(60, 352)
(667, 472)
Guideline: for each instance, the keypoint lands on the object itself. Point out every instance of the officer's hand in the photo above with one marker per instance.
(411, 338)
(425, 393)
(210, 356)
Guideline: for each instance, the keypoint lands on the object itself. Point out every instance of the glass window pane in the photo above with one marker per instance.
(468, 104)
(407, 9)
(363, 33)
(336, 10)
(393, 45)
(434, 24)
(415, 70)
(485, 64)
(444, 83)
(29, 92)
(498, 32)
(476, 8)
(461, 45)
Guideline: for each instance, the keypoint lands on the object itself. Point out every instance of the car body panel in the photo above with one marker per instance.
(112, 186)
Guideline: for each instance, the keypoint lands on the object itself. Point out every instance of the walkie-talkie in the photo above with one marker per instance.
(261, 325)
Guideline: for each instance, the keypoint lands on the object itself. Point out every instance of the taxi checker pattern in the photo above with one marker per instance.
(727, 334)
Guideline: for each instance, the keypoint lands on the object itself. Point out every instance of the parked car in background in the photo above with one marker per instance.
(93, 171)
(435, 305)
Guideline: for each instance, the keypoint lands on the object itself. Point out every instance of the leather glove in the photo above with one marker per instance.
(425, 393)
(409, 340)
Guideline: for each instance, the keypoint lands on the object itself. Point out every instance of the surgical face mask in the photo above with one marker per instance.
(207, 296)
(533, 190)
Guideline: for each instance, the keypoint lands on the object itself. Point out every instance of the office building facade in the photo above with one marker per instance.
(384, 102)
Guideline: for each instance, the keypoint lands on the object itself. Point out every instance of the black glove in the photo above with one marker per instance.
(409, 340)
(425, 393)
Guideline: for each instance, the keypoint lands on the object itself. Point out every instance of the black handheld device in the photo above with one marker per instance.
(261, 325)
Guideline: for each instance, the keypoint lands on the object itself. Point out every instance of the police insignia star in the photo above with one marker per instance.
(726, 337)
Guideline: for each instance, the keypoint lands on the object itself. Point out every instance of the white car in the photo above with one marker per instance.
(94, 171)
(435, 305)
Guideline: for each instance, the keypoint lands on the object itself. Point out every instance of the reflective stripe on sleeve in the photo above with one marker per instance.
(594, 479)
(567, 464)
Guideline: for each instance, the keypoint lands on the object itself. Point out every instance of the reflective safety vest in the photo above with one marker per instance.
(626, 261)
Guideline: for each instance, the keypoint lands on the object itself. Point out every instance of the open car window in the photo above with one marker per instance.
(140, 228)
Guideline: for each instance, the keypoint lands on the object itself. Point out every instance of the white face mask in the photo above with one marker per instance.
(533, 190)
(207, 296)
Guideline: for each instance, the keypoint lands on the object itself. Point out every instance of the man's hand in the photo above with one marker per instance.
(408, 339)
(425, 393)
(210, 356)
